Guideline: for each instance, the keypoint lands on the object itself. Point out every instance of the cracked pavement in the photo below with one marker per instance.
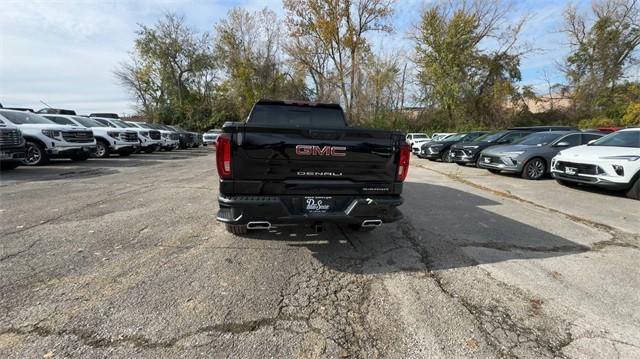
(124, 258)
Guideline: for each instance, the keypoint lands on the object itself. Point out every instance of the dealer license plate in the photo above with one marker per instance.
(319, 204)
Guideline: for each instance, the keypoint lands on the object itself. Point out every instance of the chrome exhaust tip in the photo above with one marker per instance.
(372, 223)
(259, 225)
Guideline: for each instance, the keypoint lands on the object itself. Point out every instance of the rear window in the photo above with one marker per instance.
(297, 116)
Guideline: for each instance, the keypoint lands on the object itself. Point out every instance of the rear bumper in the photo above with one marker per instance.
(290, 209)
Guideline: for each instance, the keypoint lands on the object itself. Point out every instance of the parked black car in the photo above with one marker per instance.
(465, 152)
(440, 150)
(544, 128)
(187, 139)
(531, 156)
(12, 146)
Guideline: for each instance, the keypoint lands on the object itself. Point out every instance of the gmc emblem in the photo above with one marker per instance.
(310, 150)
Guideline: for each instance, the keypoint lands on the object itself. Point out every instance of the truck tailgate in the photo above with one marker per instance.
(292, 160)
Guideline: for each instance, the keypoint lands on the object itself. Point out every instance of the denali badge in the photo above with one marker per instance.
(310, 150)
(312, 173)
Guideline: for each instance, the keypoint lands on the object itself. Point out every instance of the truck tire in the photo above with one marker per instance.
(102, 149)
(236, 228)
(634, 191)
(36, 154)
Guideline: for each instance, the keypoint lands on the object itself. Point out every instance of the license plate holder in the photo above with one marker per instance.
(318, 204)
(571, 171)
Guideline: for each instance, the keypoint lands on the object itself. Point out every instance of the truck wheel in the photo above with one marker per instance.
(102, 149)
(36, 155)
(9, 165)
(534, 169)
(236, 228)
(634, 191)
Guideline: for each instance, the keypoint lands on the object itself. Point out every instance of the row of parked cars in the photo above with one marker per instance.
(607, 158)
(33, 138)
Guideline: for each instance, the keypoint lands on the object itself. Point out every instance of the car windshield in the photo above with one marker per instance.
(538, 139)
(89, 122)
(486, 135)
(620, 139)
(456, 137)
(121, 124)
(133, 124)
(417, 137)
(147, 126)
(22, 118)
(492, 137)
(104, 122)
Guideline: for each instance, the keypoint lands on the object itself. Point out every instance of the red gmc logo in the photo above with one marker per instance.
(309, 150)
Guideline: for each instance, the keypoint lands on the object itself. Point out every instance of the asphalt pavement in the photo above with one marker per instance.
(123, 257)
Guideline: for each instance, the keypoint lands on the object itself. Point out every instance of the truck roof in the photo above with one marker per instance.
(298, 103)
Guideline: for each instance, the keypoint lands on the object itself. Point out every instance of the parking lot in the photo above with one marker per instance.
(123, 257)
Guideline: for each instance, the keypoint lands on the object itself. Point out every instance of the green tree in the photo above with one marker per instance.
(460, 77)
(332, 42)
(602, 50)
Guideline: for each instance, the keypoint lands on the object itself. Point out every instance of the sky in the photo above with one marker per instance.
(64, 52)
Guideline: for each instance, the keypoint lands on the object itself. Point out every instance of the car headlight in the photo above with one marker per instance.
(114, 134)
(513, 154)
(624, 157)
(55, 134)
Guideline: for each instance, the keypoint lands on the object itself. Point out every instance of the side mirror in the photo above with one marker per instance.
(590, 142)
(563, 144)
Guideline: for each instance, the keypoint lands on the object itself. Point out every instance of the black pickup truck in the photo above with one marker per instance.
(300, 163)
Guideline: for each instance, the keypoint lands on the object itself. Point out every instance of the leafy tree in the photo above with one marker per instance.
(332, 43)
(601, 51)
(458, 75)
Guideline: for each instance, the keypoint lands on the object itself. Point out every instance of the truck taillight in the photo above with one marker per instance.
(223, 155)
(403, 162)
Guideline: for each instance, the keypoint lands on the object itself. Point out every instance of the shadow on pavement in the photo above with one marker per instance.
(443, 228)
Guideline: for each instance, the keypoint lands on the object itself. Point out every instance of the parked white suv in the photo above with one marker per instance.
(150, 140)
(46, 139)
(108, 139)
(169, 138)
(612, 161)
(210, 137)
